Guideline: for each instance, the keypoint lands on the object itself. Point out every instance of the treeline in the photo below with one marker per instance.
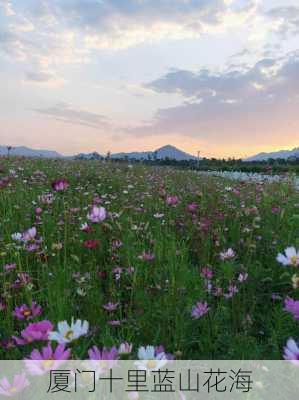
(271, 166)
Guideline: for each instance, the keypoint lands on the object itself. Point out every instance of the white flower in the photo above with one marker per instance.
(17, 237)
(149, 361)
(291, 257)
(67, 333)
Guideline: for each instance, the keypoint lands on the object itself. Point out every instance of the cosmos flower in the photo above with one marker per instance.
(91, 243)
(172, 200)
(192, 207)
(199, 310)
(20, 382)
(40, 362)
(34, 332)
(146, 256)
(227, 255)
(149, 359)
(60, 185)
(105, 354)
(67, 333)
(17, 237)
(29, 235)
(291, 351)
(291, 257)
(26, 312)
(110, 306)
(125, 348)
(292, 306)
(207, 273)
(97, 214)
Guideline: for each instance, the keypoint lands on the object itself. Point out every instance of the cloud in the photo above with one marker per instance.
(230, 107)
(65, 113)
(286, 20)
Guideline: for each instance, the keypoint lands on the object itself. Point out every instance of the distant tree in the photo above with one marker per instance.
(108, 155)
(9, 148)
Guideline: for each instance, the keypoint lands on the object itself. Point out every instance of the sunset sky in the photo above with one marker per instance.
(219, 76)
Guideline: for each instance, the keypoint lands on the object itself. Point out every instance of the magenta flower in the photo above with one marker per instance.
(34, 332)
(9, 267)
(105, 354)
(291, 351)
(172, 200)
(146, 256)
(207, 273)
(20, 382)
(26, 312)
(47, 359)
(192, 207)
(97, 214)
(60, 184)
(199, 310)
(91, 243)
(292, 306)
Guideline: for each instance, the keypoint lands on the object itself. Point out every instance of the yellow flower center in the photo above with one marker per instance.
(294, 260)
(152, 364)
(48, 363)
(13, 389)
(69, 335)
(27, 313)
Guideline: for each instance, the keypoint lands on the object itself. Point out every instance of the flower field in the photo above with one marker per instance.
(105, 261)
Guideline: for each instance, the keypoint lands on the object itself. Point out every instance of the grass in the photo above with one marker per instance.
(155, 297)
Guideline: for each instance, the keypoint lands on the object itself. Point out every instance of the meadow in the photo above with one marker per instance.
(147, 261)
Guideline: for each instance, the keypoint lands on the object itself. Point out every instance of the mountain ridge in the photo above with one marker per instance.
(167, 151)
(285, 154)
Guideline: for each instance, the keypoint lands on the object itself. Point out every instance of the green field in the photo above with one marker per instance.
(159, 248)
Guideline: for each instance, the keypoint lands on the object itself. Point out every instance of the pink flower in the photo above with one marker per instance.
(60, 184)
(291, 351)
(192, 207)
(105, 354)
(172, 200)
(199, 310)
(207, 273)
(292, 306)
(146, 256)
(110, 306)
(9, 267)
(26, 312)
(20, 382)
(125, 348)
(227, 255)
(91, 243)
(97, 214)
(47, 359)
(29, 235)
(33, 332)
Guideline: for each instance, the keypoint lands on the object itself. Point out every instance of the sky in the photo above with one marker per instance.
(216, 76)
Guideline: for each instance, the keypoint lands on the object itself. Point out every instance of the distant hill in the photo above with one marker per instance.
(167, 151)
(275, 155)
(27, 152)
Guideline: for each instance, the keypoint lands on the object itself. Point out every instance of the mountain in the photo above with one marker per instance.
(275, 155)
(167, 151)
(27, 152)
